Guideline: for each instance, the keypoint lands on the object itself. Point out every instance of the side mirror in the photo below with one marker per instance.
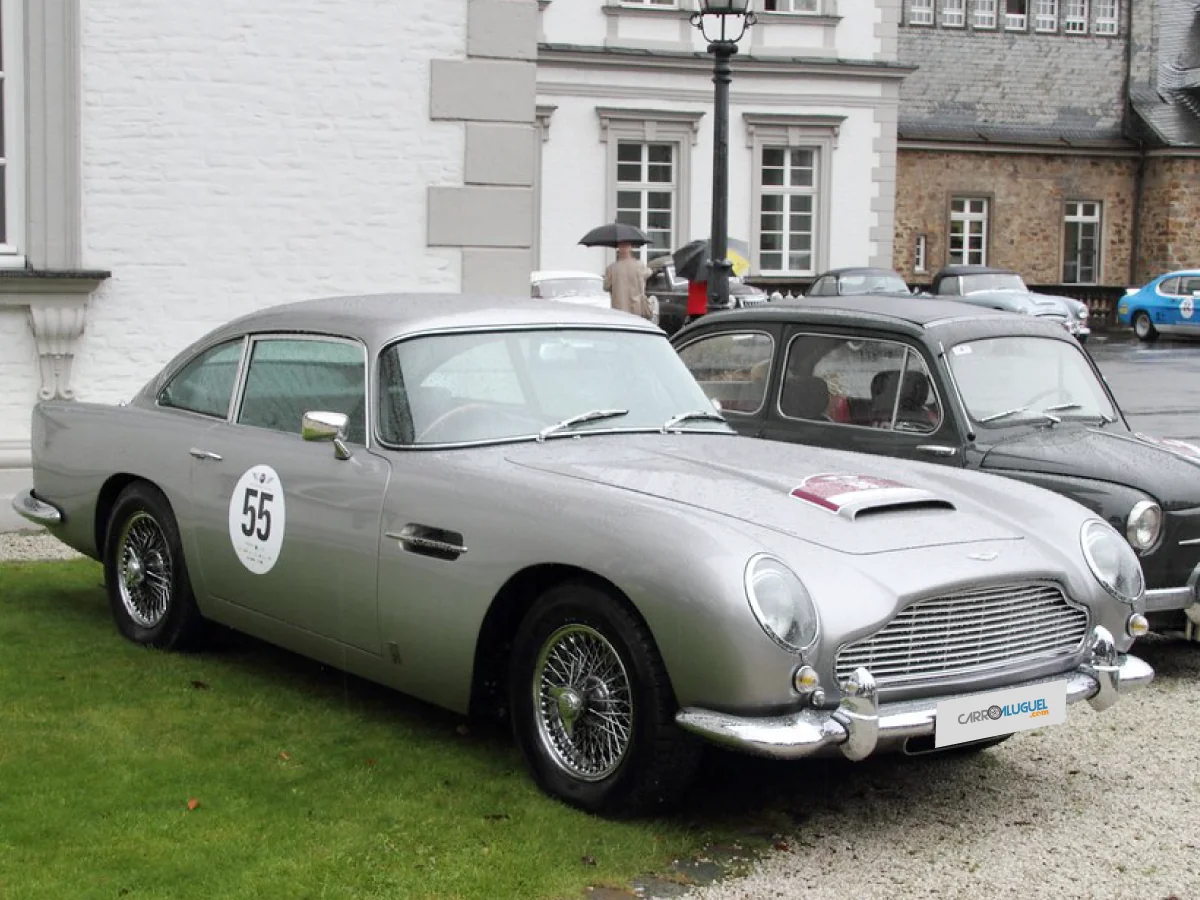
(327, 426)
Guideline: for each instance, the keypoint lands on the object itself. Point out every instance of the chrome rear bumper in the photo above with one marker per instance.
(860, 724)
(36, 511)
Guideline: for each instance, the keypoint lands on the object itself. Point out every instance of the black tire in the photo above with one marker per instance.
(149, 591)
(646, 771)
(1143, 327)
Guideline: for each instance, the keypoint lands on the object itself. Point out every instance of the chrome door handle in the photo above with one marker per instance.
(205, 454)
(428, 541)
(938, 449)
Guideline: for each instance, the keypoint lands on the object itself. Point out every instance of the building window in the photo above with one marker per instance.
(968, 231)
(983, 14)
(920, 12)
(1075, 17)
(1016, 14)
(646, 193)
(1106, 17)
(954, 13)
(1081, 242)
(792, 6)
(12, 188)
(1046, 16)
(921, 256)
(670, 3)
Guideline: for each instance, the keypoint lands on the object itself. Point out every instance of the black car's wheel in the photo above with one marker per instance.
(593, 709)
(149, 591)
(1143, 327)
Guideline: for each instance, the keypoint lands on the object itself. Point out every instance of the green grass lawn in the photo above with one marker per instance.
(304, 782)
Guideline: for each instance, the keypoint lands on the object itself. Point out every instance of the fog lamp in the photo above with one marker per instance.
(1137, 625)
(805, 680)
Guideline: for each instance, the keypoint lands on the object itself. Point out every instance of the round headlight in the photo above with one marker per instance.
(1112, 561)
(781, 603)
(1144, 525)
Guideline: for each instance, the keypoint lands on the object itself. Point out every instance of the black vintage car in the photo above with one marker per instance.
(963, 386)
(671, 293)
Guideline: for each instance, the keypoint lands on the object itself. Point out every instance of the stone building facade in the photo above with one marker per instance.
(1055, 137)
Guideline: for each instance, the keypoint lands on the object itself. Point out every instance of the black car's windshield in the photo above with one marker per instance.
(992, 281)
(1009, 380)
(872, 284)
(541, 383)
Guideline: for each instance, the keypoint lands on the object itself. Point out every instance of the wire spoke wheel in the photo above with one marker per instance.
(582, 703)
(144, 570)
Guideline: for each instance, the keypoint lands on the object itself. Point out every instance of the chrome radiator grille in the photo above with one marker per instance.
(968, 632)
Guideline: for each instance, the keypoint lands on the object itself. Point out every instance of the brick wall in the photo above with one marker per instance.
(1026, 193)
(1170, 228)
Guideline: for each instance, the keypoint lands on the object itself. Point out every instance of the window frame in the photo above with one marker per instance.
(1106, 25)
(643, 188)
(748, 332)
(1046, 11)
(967, 217)
(791, 11)
(927, 8)
(169, 379)
(1075, 23)
(12, 134)
(1078, 218)
(953, 14)
(1016, 21)
(984, 15)
(921, 253)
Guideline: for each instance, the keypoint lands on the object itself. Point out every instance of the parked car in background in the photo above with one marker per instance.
(583, 288)
(670, 292)
(859, 280)
(1168, 304)
(971, 388)
(493, 504)
(1004, 289)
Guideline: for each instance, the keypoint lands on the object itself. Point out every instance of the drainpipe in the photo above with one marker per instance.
(1135, 224)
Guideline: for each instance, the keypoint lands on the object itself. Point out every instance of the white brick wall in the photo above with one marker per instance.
(235, 157)
(18, 373)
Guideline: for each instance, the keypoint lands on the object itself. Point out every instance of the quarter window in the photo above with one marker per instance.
(1169, 287)
(733, 368)
(646, 193)
(205, 385)
(968, 231)
(787, 231)
(1046, 16)
(289, 377)
(851, 381)
(1081, 243)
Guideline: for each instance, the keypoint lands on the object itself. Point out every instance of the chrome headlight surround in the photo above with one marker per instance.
(781, 603)
(1112, 561)
(1144, 526)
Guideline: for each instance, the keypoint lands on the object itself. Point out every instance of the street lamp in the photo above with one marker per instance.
(735, 17)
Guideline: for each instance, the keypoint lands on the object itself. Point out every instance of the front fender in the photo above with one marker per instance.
(1111, 502)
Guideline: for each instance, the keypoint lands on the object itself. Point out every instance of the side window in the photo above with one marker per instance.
(822, 287)
(1170, 287)
(1191, 286)
(732, 368)
(205, 385)
(948, 286)
(869, 383)
(289, 377)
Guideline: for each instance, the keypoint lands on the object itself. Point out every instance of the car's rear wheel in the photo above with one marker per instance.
(593, 708)
(1143, 327)
(149, 591)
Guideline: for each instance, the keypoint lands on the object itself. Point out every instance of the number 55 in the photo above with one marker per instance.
(258, 520)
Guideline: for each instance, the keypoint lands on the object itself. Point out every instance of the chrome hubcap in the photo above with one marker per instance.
(582, 702)
(144, 570)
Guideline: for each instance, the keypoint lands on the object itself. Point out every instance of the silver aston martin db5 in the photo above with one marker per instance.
(504, 506)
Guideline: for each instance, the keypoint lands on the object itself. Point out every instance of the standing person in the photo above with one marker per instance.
(625, 280)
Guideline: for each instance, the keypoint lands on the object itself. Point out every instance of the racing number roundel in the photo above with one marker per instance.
(256, 519)
(1187, 307)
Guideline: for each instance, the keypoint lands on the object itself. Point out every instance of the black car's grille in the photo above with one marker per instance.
(968, 632)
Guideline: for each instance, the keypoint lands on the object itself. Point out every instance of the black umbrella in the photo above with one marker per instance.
(612, 234)
(691, 260)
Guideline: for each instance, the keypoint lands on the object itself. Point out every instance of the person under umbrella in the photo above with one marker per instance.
(625, 279)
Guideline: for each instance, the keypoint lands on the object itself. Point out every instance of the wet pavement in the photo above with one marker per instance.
(1157, 385)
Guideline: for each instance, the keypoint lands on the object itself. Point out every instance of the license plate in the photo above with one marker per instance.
(982, 716)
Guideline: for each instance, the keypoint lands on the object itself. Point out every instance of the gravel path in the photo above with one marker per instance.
(30, 546)
(1107, 806)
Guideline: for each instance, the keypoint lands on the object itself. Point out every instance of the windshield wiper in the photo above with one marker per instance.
(688, 416)
(1062, 406)
(1019, 409)
(594, 415)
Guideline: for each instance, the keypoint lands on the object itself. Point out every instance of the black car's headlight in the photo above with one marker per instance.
(781, 603)
(1144, 525)
(1112, 561)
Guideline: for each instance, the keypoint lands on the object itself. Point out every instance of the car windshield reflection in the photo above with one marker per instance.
(992, 281)
(554, 288)
(873, 284)
(494, 386)
(1009, 380)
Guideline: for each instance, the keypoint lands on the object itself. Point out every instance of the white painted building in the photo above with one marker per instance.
(170, 164)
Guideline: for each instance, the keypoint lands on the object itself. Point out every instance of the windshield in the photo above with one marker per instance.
(873, 284)
(511, 385)
(552, 288)
(1010, 380)
(994, 281)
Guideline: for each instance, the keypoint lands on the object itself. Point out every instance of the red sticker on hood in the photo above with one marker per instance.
(832, 492)
(1183, 448)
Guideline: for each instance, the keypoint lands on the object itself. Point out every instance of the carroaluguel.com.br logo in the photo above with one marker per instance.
(1030, 708)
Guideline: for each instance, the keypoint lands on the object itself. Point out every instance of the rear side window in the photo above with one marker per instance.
(1170, 287)
(205, 385)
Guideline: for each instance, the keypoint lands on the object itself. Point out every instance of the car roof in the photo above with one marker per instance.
(549, 274)
(1177, 272)
(861, 270)
(974, 270)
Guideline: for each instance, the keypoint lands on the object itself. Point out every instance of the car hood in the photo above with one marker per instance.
(847, 502)
(1023, 301)
(1168, 471)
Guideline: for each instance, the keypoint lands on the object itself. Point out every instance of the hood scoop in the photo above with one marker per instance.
(855, 496)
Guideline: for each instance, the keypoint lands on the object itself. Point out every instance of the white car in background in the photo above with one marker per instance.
(583, 288)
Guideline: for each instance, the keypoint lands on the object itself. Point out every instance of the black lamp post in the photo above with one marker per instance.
(736, 18)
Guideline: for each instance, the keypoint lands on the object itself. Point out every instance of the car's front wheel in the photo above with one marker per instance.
(149, 591)
(593, 709)
(1143, 327)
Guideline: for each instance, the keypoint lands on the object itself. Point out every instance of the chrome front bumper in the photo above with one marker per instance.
(1175, 598)
(36, 511)
(860, 725)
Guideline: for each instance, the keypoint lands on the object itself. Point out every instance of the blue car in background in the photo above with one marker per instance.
(1170, 304)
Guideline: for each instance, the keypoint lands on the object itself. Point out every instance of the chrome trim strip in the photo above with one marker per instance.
(1169, 599)
(1190, 543)
(39, 512)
